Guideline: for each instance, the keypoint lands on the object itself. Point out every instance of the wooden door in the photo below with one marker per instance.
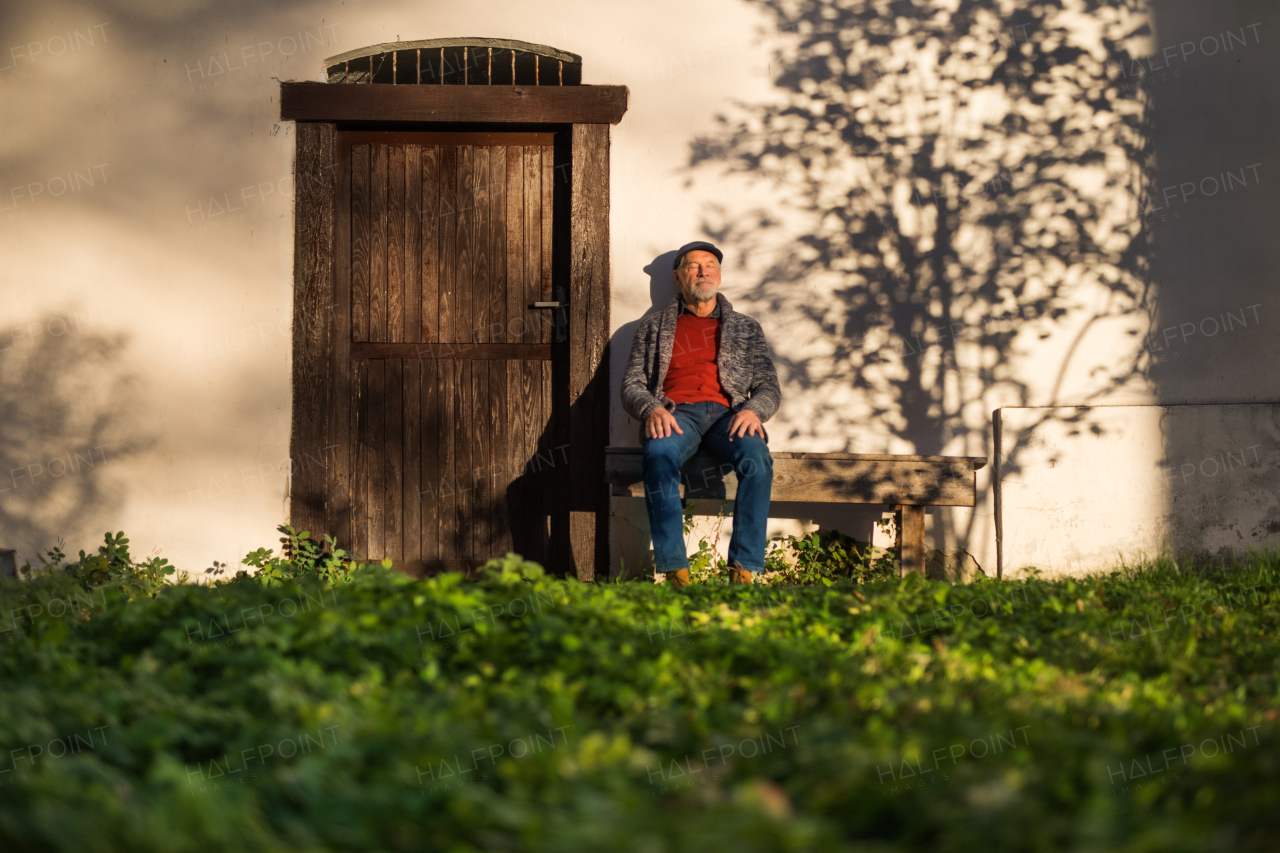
(443, 242)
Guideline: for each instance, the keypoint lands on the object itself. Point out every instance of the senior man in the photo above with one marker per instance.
(700, 375)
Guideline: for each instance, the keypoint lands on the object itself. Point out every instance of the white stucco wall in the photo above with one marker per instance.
(1135, 483)
(1089, 487)
(146, 228)
(147, 305)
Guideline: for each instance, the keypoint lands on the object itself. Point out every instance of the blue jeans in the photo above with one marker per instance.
(706, 425)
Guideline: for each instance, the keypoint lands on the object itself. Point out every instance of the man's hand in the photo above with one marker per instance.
(745, 422)
(660, 423)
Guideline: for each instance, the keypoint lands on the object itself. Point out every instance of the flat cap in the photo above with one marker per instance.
(693, 247)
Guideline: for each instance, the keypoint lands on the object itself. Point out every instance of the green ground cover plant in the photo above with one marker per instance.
(821, 557)
(363, 710)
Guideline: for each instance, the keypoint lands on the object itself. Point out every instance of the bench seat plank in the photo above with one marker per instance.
(821, 478)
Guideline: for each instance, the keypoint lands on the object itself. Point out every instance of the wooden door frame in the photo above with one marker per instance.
(321, 482)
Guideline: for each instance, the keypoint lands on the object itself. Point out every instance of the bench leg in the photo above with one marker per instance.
(911, 539)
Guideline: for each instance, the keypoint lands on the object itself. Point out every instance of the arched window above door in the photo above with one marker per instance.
(457, 61)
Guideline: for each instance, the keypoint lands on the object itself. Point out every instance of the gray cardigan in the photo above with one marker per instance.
(747, 375)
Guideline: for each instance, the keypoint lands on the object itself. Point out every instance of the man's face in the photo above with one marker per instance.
(698, 276)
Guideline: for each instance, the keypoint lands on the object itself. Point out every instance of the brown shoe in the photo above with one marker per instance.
(678, 578)
(742, 576)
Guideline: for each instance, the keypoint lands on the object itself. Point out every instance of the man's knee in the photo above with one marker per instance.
(664, 452)
(753, 457)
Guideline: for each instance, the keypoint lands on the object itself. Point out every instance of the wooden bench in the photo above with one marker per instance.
(906, 483)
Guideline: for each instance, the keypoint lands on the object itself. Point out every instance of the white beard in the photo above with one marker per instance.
(700, 293)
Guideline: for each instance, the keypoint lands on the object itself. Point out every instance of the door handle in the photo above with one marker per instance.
(547, 305)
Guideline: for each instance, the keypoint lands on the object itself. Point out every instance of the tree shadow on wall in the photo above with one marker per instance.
(957, 185)
(68, 416)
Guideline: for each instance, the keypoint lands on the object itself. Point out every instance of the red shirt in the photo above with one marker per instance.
(693, 376)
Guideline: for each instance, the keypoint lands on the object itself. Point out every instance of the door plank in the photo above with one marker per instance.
(411, 450)
(361, 535)
(447, 219)
(446, 483)
(429, 494)
(378, 414)
(480, 221)
(412, 244)
(482, 461)
(391, 493)
(548, 197)
(395, 243)
(361, 228)
(429, 216)
(497, 319)
(547, 454)
(516, 329)
(561, 550)
(500, 416)
(533, 241)
(464, 264)
(463, 430)
(517, 421)
(530, 495)
(483, 296)
(378, 243)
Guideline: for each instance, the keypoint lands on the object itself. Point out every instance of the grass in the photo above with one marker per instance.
(1134, 711)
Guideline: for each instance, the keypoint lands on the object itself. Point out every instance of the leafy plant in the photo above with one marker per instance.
(51, 561)
(705, 564)
(819, 558)
(302, 556)
(512, 569)
(825, 557)
(111, 566)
